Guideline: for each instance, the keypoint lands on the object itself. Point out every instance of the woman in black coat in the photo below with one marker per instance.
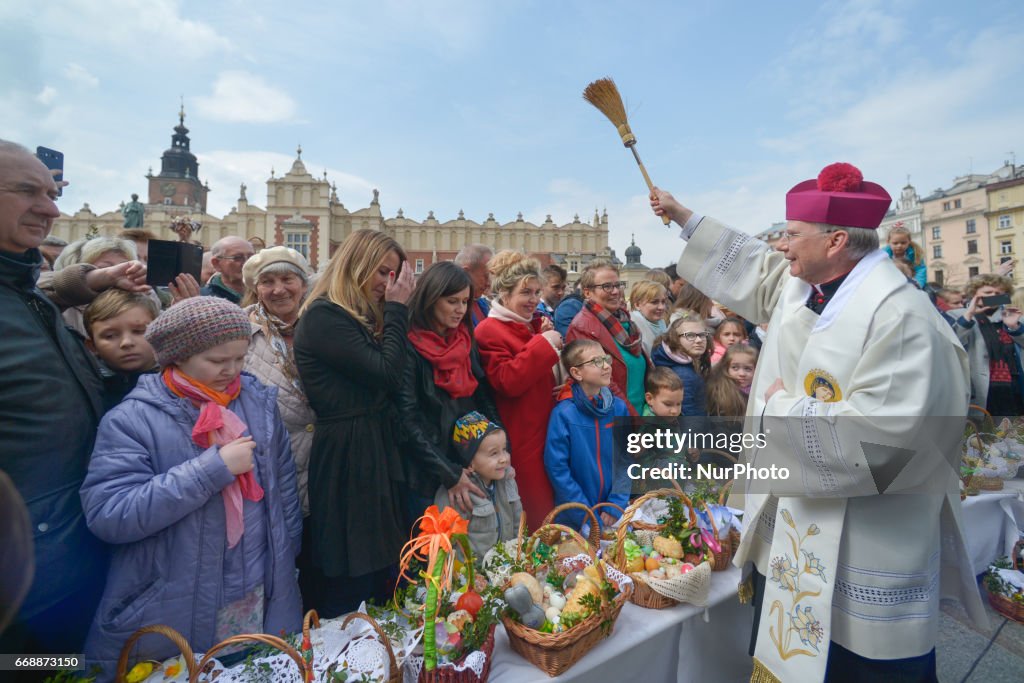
(350, 354)
(444, 380)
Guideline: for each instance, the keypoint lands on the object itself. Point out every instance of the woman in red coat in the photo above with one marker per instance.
(520, 354)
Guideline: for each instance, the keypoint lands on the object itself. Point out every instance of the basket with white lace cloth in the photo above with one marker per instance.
(644, 518)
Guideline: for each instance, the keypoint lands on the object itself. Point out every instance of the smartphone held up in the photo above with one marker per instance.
(54, 161)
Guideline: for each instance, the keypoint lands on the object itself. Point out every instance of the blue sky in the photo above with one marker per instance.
(453, 104)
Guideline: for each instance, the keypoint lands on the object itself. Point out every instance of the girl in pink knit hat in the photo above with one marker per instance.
(192, 482)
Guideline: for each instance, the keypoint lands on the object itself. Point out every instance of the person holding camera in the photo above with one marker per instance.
(990, 330)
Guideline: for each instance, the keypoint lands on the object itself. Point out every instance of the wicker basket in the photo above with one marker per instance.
(1002, 604)
(264, 638)
(1005, 606)
(554, 653)
(167, 632)
(643, 594)
(989, 483)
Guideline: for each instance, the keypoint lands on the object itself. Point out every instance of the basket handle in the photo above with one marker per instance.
(575, 535)
(723, 495)
(606, 504)
(521, 537)
(167, 632)
(634, 507)
(594, 539)
(385, 641)
(264, 638)
(311, 619)
(711, 517)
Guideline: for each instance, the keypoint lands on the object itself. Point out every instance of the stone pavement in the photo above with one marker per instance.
(967, 654)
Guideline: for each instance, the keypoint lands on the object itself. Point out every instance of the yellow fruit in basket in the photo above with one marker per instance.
(650, 564)
(635, 565)
(668, 547)
(532, 585)
(139, 672)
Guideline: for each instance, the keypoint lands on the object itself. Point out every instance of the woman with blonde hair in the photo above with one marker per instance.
(350, 353)
(520, 351)
(649, 301)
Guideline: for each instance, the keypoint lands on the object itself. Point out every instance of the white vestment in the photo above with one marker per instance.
(890, 363)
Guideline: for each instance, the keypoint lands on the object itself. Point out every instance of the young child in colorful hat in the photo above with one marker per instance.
(483, 446)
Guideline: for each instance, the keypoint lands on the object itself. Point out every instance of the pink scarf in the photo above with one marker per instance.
(218, 426)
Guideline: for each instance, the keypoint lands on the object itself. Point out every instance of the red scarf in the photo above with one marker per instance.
(614, 323)
(217, 426)
(450, 358)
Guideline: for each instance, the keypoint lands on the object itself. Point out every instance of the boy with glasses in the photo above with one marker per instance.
(580, 448)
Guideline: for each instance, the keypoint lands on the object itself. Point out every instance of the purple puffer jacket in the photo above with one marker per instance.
(156, 496)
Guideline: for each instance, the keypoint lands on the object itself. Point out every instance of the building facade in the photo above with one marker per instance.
(304, 212)
(1005, 216)
(956, 233)
(906, 212)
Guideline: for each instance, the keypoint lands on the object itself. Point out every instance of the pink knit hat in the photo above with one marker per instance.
(196, 325)
(839, 196)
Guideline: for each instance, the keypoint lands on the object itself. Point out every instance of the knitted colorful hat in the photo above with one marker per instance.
(196, 325)
(839, 196)
(469, 431)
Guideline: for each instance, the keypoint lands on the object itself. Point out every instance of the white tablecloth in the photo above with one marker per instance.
(673, 644)
(993, 522)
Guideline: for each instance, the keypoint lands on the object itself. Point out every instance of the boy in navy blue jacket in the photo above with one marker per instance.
(580, 449)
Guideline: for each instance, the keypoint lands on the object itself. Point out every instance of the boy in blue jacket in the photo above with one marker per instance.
(580, 448)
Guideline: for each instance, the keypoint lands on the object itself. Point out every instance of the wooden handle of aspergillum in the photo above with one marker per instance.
(650, 186)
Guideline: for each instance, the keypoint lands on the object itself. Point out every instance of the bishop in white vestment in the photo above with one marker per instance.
(860, 385)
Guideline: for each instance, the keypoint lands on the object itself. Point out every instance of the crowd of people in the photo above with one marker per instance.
(181, 451)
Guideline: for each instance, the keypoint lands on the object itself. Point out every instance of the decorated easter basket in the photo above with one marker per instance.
(1008, 607)
(312, 620)
(474, 618)
(554, 653)
(692, 587)
(188, 658)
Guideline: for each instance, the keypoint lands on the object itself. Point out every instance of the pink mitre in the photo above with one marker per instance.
(839, 196)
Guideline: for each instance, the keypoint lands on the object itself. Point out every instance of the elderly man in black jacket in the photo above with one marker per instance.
(49, 409)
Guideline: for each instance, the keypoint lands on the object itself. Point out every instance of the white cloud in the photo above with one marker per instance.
(132, 26)
(241, 97)
(47, 95)
(79, 75)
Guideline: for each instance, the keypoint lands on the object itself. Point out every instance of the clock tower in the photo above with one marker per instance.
(178, 184)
